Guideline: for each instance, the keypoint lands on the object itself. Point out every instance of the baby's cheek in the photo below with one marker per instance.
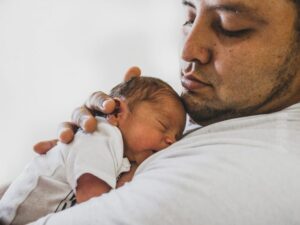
(149, 140)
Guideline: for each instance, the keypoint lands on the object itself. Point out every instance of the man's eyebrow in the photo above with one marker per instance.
(238, 8)
(232, 7)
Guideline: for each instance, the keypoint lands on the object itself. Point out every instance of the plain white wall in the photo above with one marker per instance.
(54, 53)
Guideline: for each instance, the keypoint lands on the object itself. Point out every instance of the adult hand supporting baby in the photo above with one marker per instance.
(84, 116)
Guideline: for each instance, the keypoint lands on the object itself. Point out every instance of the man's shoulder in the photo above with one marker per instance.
(262, 137)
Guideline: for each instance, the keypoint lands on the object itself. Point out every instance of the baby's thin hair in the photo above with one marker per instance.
(139, 89)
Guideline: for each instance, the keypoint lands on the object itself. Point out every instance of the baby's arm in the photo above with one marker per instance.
(89, 186)
(95, 161)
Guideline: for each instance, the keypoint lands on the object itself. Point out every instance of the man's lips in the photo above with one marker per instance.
(189, 82)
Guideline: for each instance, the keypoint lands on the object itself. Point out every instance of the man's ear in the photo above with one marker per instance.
(120, 114)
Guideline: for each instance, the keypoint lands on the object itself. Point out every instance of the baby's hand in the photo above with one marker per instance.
(127, 176)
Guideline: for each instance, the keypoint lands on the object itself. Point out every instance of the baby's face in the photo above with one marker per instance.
(151, 127)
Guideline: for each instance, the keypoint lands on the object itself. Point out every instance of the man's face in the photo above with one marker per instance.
(239, 57)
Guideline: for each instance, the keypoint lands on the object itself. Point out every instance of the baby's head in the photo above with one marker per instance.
(150, 117)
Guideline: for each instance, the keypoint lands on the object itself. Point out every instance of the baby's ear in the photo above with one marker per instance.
(120, 114)
(112, 119)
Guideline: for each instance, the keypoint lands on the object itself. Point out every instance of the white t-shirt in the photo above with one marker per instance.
(48, 183)
(240, 171)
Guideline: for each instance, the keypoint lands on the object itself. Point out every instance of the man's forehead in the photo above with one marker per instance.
(242, 5)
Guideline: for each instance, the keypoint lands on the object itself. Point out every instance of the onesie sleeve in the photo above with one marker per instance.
(99, 153)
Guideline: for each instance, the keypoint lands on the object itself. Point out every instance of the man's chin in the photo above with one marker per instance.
(204, 112)
(204, 116)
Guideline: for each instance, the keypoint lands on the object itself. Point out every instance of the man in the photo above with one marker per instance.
(241, 81)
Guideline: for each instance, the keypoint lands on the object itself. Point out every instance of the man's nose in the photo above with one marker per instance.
(197, 44)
